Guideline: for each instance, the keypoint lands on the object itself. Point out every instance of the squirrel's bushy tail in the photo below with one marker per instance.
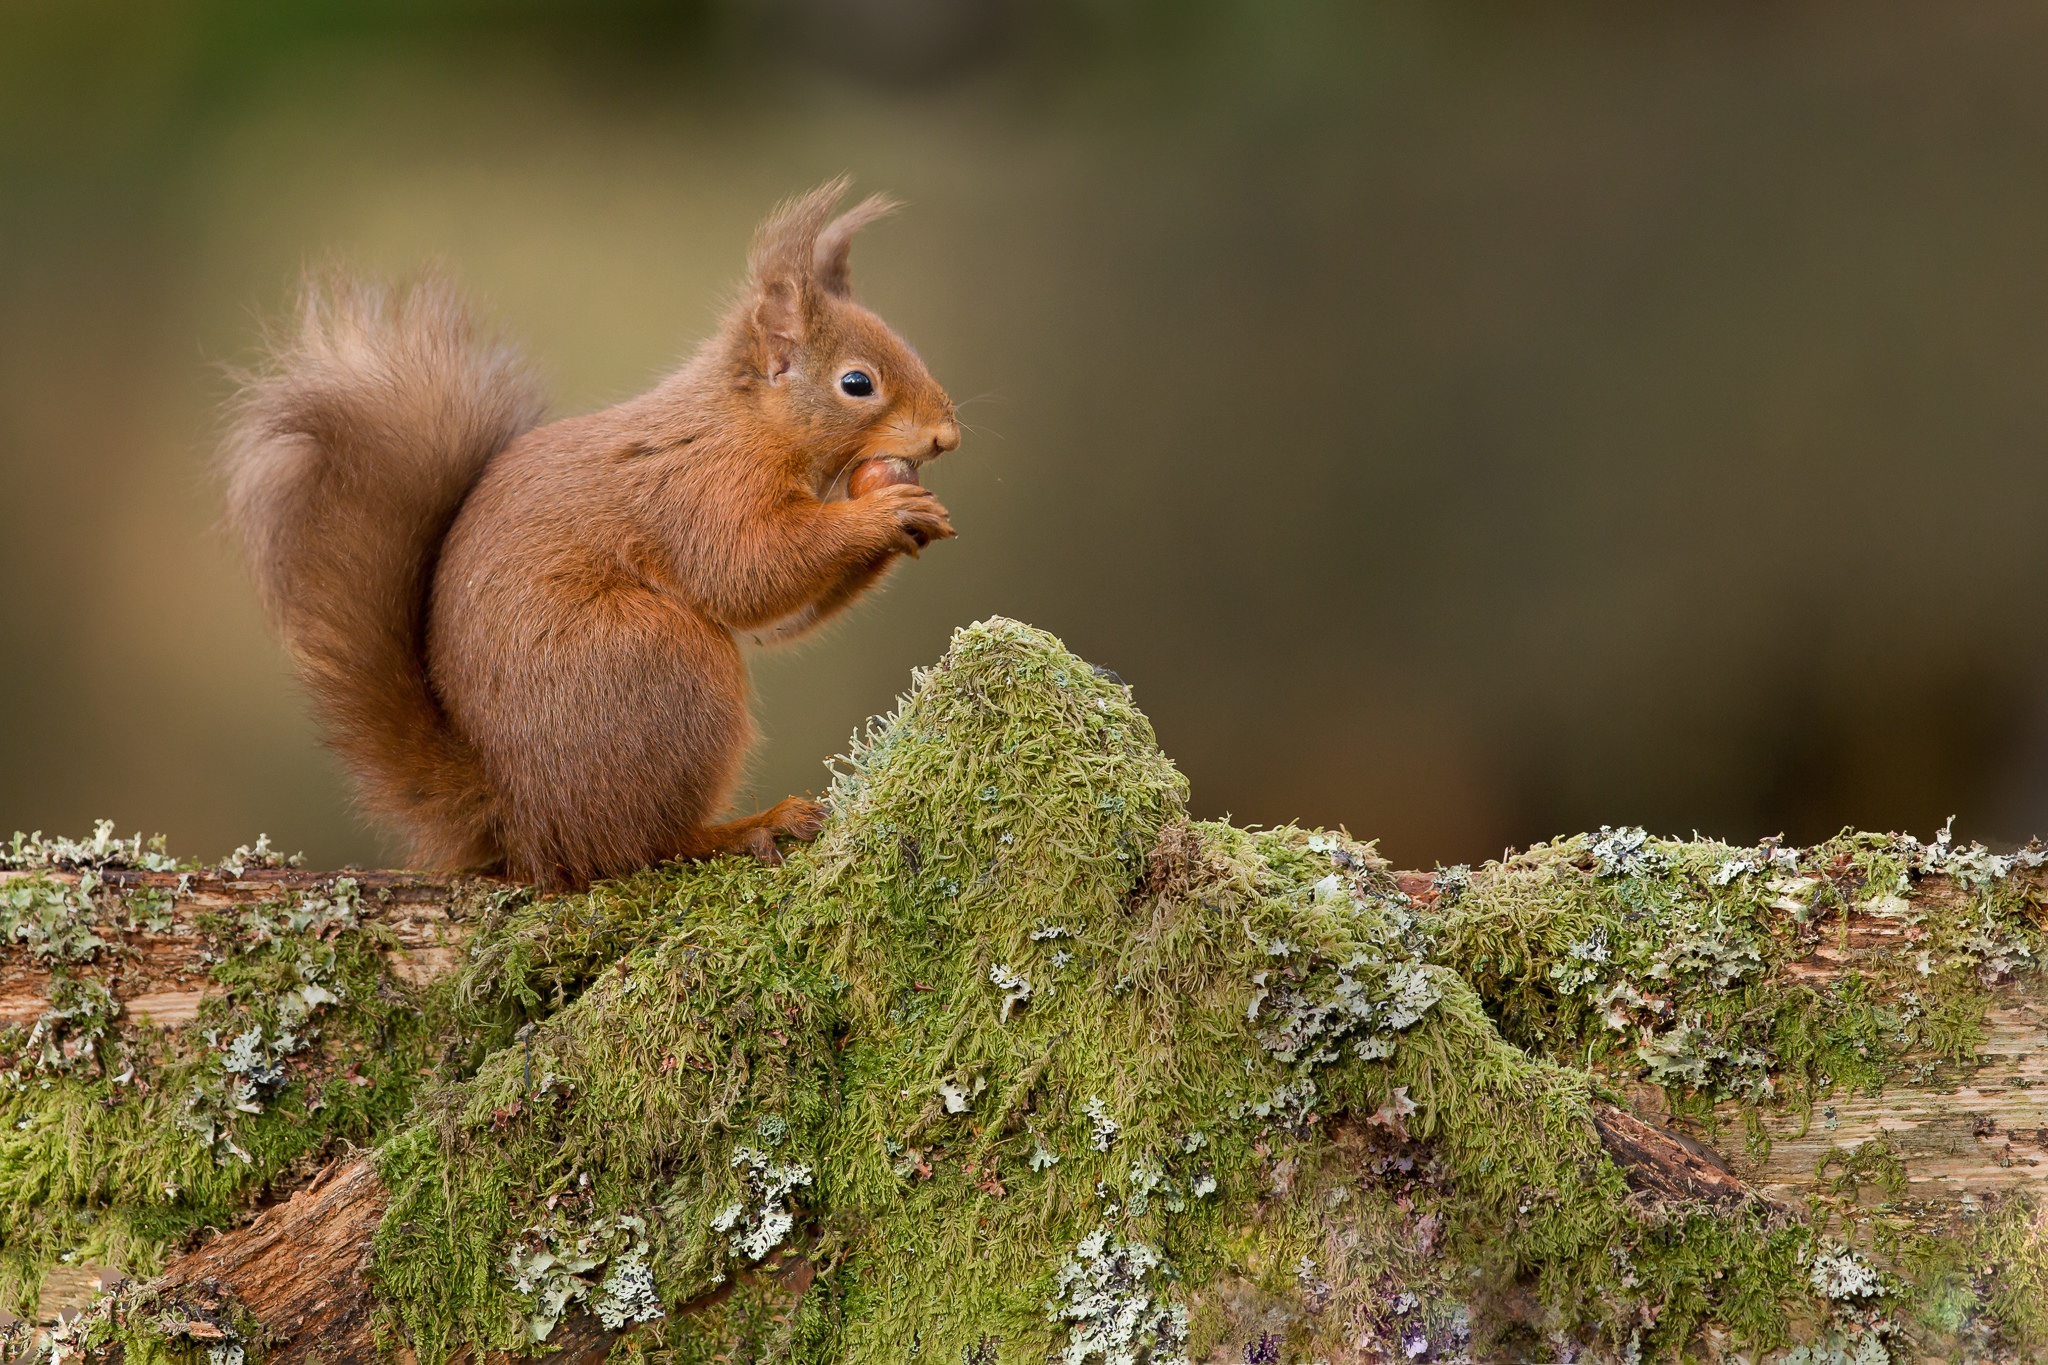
(348, 457)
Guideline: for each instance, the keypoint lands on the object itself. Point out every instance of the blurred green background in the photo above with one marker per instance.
(1463, 422)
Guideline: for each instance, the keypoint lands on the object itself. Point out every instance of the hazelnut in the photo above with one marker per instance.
(870, 475)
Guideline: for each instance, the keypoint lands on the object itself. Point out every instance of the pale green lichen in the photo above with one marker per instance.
(102, 851)
(553, 1263)
(1111, 1300)
(52, 920)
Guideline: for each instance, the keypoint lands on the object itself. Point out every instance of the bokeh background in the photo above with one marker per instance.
(1464, 422)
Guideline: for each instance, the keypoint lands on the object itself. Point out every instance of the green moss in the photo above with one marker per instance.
(2012, 1249)
(835, 1000)
(1873, 1162)
(1978, 1279)
(532, 955)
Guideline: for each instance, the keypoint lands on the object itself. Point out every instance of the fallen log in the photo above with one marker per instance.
(159, 971)
(1017, 1061)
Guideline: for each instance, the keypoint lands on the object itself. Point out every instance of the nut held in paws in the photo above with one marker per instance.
(869, 475)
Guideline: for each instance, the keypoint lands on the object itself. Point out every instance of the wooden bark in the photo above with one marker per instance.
(299, 1266)
(1665, 1167)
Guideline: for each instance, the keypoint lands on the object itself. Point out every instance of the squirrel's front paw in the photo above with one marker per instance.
(919, 518)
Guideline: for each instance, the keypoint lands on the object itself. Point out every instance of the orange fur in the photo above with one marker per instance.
(522, 641)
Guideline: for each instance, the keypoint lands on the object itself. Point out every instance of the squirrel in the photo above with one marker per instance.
(523, 639)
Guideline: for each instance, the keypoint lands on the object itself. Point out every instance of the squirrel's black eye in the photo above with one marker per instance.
(856, 384)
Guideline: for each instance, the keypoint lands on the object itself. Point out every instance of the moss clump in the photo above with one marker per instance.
(772, 1026)
(1015, 1061)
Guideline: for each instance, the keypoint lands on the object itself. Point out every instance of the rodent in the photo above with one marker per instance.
(522, 639)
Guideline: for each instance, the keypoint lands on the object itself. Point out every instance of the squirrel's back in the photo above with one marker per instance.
(350, 453)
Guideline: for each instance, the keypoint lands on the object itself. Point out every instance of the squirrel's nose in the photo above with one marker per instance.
(945, 437)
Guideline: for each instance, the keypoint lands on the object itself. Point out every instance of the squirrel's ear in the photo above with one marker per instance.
(780, 269)
(835, 242)
(775, 325)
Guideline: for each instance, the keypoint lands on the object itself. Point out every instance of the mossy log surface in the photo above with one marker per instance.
(1018, 1063)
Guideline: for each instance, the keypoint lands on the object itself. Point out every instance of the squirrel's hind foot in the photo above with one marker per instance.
(793, 817)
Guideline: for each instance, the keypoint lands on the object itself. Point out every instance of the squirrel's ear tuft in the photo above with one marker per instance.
(835, 242)
(780, 275)
(784, 241)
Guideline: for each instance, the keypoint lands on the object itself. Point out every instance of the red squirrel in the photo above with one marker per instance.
(522, 640)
